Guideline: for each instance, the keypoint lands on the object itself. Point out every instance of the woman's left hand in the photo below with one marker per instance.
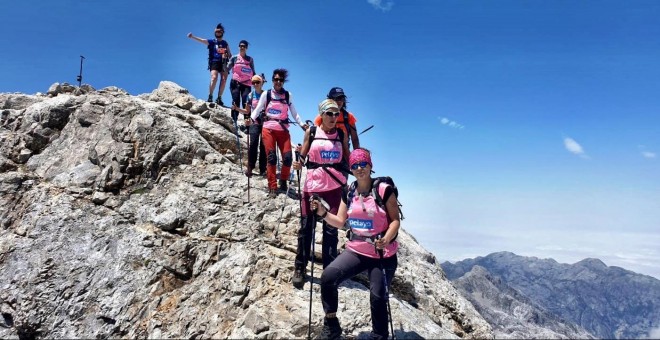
(381, 243)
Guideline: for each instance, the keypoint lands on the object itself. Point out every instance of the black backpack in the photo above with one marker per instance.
(341, 166)
(312, 133)
(374, 192)
(269, 98)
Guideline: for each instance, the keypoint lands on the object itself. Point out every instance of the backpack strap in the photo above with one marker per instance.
(346, 123)
(268, 100)
(338, 166)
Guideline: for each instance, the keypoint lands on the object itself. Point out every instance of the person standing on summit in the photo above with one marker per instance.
(275, 132)
(219, 54)
(242, 69)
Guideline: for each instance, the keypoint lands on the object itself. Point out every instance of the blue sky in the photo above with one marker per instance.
(526, 126)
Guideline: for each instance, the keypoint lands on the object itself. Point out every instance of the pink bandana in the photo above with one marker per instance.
(359, 155)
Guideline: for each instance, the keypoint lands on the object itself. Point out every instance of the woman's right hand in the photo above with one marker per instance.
(296, 165)
(316, 207)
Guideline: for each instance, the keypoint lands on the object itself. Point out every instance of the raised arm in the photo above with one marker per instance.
(203, 41)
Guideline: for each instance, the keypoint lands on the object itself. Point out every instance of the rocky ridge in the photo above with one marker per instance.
(127, 216)
(565, 299)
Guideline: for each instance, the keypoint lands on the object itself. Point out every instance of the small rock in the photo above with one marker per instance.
(99, 197)
(21, 230)
(24, 155)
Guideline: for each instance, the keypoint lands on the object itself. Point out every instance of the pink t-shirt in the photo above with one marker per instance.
(276, 109)
(324, 149)
(366, 218)
(242, 72)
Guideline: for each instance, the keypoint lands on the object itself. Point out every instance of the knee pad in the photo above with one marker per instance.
(272, 157)
(287, 158)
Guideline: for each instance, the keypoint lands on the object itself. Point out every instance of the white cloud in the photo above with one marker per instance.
(648, 154)
(381, 5)
(654, 333)
(450, 123)
(645, 153)
(573, 147)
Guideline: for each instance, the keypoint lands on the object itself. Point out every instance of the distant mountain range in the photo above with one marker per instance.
(528, 297)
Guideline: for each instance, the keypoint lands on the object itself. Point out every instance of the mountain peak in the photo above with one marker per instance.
(592, 263)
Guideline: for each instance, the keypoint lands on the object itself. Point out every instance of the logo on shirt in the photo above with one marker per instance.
(246, 69)
(360, 224)
(272, 111)
(330, 155)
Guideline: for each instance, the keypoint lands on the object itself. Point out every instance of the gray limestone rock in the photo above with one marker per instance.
(129, 222)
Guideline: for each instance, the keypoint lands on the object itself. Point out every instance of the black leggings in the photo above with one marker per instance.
(349, 264)
(239, 94)
(307, 226)
(256, 144)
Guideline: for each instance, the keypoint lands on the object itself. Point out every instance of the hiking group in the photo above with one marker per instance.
(367, 208)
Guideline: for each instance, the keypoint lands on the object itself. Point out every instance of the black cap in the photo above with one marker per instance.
(336, 92)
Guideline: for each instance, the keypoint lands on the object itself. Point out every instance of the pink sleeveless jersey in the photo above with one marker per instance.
(325, 149)
(242, 72)
(368, 219)
(277, 109)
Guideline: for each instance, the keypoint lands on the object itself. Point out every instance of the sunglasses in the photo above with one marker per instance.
(332, 114)
(278, 79)
(342, 98)
(362, 164)
(242, 46)
(256, 82)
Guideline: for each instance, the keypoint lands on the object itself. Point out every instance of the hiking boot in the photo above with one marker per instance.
(298, 278)
(262, 173)
(210, 100)
(219, 102)
(272, 193)
(331, 329)
(248, 172)
(283, 185)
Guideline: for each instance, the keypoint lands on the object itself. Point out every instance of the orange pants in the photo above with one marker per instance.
(282, 140)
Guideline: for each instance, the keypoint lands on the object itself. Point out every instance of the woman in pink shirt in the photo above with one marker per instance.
(324, 147)
(371, 246)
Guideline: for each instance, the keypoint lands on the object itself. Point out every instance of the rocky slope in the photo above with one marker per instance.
(128, 216)
(607, 302)
(511, 314)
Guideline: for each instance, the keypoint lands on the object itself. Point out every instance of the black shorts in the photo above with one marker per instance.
(217, 65)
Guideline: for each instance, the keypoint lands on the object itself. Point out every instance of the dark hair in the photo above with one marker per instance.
(282, 72)
(220, 27)
(244, 42)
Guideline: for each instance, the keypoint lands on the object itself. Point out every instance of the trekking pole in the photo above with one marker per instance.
(387, 290)
(79, 77)
(284, 204)
(298, 172)
(238, 143)
(365, 130)
(248, 152)
(311, 258)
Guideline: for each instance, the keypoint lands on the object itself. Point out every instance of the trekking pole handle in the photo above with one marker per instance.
(379, 251)
(319, 200)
